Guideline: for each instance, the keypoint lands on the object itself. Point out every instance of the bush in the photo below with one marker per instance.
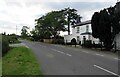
(97, 46)
(12, 39)
(58, 41)
(5, 44)
(87, 44)
(68, 43)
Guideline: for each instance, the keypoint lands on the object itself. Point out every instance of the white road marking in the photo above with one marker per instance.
(54, 49)
(99, 54)
(61, 52)
(85, 51)
(58, 51)
(116, 59)
(68, 54)
(106, 70)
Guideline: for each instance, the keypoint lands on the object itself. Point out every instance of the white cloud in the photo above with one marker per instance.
(21, 14)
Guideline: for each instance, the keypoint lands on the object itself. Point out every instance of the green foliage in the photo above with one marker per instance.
(8, 39)
(50, 24)
(24, 32)
(35, 36)
(12, 38)
(105, 25)
(54, 22)
(71, 16)
(88, 44)
(58, 41)
(5, 45)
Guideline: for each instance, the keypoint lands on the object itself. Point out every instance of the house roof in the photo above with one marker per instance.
(83, 23)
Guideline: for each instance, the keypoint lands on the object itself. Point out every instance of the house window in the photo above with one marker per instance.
(78, 38)
(77, 30)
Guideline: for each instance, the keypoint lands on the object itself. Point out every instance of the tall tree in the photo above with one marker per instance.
(50, 24)
(105, 25)
(35, 35)
(71, 16)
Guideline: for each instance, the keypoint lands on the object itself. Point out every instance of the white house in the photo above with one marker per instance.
(75, 34)
(80, 31)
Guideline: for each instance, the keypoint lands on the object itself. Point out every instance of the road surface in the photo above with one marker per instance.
(62, 60)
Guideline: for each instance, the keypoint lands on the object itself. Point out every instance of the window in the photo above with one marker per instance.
(77, 30)
(78, 38)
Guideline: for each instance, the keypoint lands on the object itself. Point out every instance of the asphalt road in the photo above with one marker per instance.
(62, 60)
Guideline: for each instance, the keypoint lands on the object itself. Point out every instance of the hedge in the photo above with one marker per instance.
(5, 45)
(58, 41)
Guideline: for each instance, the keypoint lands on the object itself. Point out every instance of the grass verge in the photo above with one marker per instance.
(20, 61)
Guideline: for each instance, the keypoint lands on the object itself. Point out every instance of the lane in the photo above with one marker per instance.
(109, 63)
(79, 63)
(100, 60)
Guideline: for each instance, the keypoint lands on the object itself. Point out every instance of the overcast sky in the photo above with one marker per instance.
(24, 12)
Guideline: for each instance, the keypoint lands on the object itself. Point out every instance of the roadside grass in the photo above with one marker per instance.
(20, 61)
(0, 66)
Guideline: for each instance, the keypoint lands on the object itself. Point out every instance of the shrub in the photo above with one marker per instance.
(12, 39)
(88, 44)
(68, 43)
(97, 46)
(5, 44)
(58, 41)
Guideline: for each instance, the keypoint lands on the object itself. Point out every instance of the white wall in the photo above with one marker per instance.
(68, 38)
(82, 29)
(117, 39)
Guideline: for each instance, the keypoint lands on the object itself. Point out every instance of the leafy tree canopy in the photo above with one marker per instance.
(71, 16)
(50, 24)
(105, 25)
(24, 32)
